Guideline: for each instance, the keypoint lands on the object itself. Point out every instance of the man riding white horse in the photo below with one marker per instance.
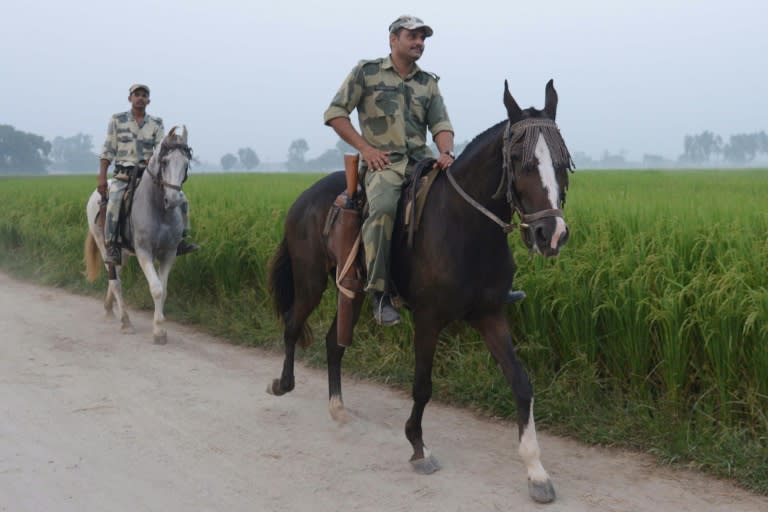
(131, 139)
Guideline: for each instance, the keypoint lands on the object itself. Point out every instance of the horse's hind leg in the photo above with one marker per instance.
(109, 302)
(335, 353)
(424, 344)
(495, 331)
(306, 298)
(115, 293)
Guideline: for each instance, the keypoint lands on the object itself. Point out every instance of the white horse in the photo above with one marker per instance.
(154, 227)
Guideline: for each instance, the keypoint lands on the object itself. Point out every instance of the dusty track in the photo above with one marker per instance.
(92, 420)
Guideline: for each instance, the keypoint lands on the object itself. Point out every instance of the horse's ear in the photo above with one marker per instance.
(183, 134)
(550, 100)
(171, 133)
(514, 112)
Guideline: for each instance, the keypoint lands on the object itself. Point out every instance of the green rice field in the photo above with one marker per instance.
(648, 332)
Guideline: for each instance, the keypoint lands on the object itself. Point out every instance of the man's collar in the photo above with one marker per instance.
(389, 64)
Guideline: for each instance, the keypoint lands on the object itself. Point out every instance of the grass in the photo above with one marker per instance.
(649, 331)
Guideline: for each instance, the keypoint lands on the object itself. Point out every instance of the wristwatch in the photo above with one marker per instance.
(450, 154)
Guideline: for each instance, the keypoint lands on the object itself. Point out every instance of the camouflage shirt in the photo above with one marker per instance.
(128, 143)
(393, 112)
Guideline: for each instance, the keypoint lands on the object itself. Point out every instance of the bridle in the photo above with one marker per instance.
(513, 134)
(164, 150)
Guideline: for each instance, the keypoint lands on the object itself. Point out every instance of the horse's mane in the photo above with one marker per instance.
(479, 141)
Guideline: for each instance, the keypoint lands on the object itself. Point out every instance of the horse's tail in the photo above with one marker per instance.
(282, 291)
(92, 258)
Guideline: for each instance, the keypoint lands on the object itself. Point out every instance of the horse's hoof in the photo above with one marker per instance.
(127, 329)
(160, 339)
(541, 492)
(426, 466)
(274, 388)
(338, 412)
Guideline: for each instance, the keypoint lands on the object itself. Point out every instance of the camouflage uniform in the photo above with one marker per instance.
(394, 114)
(130, 145)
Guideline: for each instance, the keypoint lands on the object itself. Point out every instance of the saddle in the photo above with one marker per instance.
(133, 178)
(342, 233)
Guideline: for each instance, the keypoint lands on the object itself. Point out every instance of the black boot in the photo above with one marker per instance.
(514, 296)
(383, 311)
(185, 248)
(114, 255)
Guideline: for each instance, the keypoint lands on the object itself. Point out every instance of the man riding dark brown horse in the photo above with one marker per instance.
(396, 102)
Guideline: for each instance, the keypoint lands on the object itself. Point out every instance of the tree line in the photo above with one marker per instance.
(740, 149)
(28, 153)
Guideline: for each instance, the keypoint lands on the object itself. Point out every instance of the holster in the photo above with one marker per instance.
(342, 229)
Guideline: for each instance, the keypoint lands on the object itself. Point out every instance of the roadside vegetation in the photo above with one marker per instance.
(649, 331)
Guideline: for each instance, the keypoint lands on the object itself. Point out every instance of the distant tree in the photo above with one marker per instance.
(73, 153)
(228, 161)
(296, 152)
(331, 159)
(342, 147)
(742, 148)
(610, 160)
(22, 152)
(654, 161)
(583, 160)
(698, 149)
(248, 158)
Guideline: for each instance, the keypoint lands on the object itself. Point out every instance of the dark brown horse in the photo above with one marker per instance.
(459, 268)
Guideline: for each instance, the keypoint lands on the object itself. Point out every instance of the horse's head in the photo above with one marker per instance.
(169, 166)
(536, 165)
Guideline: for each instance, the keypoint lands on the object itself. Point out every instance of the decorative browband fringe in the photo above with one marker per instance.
(527, 131)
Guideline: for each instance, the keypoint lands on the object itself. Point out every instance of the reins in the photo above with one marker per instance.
(507, 227)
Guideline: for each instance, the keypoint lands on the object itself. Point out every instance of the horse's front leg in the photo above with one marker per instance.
(157, 284)
(424, 344)
(495, 331)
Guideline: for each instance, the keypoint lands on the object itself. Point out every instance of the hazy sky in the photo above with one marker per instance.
(633, 76)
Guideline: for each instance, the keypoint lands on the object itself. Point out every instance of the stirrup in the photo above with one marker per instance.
(185, 247)
(514, 296)
(383, 311)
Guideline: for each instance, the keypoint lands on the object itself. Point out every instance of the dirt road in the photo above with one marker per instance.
(92, 420)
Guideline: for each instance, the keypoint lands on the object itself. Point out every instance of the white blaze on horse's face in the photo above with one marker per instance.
(549, 182)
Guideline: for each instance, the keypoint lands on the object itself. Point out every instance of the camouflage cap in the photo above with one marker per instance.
(134, 87)
(410, 23)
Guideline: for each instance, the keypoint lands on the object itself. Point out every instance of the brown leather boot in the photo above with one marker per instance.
(114, 255)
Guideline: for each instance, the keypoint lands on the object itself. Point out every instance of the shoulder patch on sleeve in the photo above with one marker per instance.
(370, 67)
